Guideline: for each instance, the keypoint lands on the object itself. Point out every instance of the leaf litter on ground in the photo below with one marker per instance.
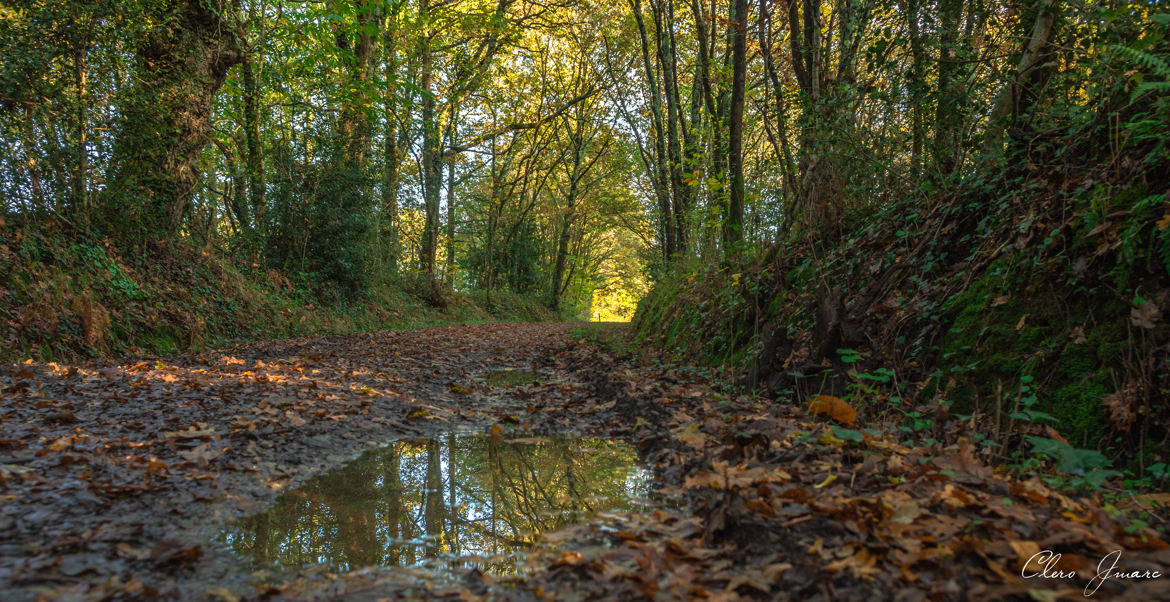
(115, 475)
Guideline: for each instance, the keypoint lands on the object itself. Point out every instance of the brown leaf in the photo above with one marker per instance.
(1145, 315)
(834, 407)
(725, 476)
(1025, 550)
(906, 513)
(967, 468)
(1103, 226)
(61, 444)
(1145, 502)
(191, 433)
(861, 564)
(203, 454)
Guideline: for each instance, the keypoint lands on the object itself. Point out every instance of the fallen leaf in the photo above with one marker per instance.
(1145, 315)
(906, 513)
(1025, 551)
(834, 407)
(965, 466)
(61, 444)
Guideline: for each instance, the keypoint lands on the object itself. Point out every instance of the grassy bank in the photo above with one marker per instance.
(66, 295)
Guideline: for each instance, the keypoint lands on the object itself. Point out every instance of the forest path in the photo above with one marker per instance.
(116, 476)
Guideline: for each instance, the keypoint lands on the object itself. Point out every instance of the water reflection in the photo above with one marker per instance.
(464, 498)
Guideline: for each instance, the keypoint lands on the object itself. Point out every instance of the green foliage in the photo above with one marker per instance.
(1004, 295)
(1090, 467)
(848, 434)
(99, 262)
(64, 298)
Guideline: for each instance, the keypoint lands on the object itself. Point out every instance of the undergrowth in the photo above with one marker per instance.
(65, 296)
(1021, 305)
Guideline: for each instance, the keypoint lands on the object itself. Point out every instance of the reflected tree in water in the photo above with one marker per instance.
(464, 498)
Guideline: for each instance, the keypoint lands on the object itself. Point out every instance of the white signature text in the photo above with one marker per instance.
(1045, 564)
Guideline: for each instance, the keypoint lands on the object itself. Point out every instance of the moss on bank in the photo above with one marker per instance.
(1019, 289)
(69, 297)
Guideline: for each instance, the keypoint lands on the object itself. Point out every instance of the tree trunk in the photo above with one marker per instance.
(167, 117)
(1018, 95)
(661, 175)
(397, 516)
(566, 225)
(431, 157)
(721, 126)
(917, 87)
(828, 113)
(255, 160)
(948, 118)
(80, 177)
(449, 272)
(733, 220)
(355, 120)
(390, 160)
(434, 511)
(777, 89)
(675, 125)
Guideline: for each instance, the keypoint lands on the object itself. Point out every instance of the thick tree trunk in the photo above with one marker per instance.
(675, 125)
(948, 117)
(434, 510)
(828, 114)
(80, 176)
(566, 225)
(661, 175)
(355, 119)
(166, 119)
(721, 126)
(562, 254)
(777, 89)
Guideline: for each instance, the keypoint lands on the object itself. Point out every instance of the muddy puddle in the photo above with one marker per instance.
(463, 499)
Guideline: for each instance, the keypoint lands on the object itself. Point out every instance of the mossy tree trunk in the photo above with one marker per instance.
(733, 219)
(166, 117)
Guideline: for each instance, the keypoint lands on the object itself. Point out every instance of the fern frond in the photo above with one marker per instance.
(1150, 62)
(1158, 88)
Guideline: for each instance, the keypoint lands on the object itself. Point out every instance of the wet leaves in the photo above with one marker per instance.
(147, 453)
(789, 509)
(107, 472)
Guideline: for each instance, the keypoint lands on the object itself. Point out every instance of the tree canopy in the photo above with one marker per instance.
(567, 150)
